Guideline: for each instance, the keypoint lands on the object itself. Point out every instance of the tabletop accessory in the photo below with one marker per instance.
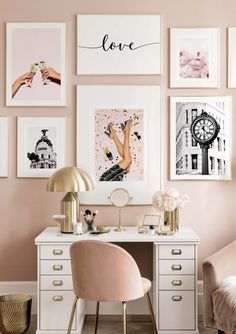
(59, 220)
(89, 218)
(170, 201)
(71, 180)
(78, 228)
(120, 198)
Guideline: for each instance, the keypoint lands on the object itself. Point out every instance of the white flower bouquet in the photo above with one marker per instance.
(169, 200)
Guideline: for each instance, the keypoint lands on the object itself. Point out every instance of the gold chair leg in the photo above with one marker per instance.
(97, 314)
(124, 318)
(152, 314)
(72, 315)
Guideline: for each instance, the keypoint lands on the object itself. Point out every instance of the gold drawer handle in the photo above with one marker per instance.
(176, 298)
(57, 298)
(176, 267)
(57, 251)
(176, 251)
(57, 283)
(177, 282)
(57, 267)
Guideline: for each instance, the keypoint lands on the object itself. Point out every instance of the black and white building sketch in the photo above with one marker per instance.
(44, 155)
(201, 138)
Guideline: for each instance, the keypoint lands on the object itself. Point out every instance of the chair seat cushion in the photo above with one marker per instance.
(224, 314)
(146, 284)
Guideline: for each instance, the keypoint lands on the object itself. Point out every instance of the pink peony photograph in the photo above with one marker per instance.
(194, 58)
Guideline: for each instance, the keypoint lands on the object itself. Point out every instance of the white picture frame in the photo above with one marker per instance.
(232, 57)
(41, 143)
(194, 57)
(90, 99)
(186, 154)
(118, 44)
(34, 50)
(4, 146)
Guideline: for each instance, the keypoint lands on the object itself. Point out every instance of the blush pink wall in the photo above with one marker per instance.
(25, 206)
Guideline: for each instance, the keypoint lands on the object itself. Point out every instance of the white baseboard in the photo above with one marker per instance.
(135, 307)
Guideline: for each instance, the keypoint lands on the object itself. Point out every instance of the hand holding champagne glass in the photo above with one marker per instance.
(33, 70)
(42, 67)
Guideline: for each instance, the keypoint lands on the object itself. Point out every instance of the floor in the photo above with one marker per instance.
(107, 327)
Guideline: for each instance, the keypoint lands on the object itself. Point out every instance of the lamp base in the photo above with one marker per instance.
(69, 209)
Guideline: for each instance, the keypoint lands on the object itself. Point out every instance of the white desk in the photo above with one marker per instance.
(174, 279)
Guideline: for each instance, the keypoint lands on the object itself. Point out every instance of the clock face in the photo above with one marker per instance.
(205, 129)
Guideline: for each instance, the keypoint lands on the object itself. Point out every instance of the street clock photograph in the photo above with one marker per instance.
(200, 138)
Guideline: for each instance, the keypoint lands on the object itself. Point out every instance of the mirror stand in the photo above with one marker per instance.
(119, 228)
(120, 198)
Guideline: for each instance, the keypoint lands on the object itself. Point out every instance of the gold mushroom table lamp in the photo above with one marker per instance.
(71, 180)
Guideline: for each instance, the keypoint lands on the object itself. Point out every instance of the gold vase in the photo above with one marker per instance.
(171, 219)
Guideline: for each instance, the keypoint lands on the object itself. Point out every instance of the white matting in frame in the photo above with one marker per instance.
(194, 57)
(4, 146)
(232, 57)
(36, 64)
(97, 152)
(118, 44)
(197, 141)
(41, 143)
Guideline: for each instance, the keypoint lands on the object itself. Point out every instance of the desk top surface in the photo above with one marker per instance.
(185, 235)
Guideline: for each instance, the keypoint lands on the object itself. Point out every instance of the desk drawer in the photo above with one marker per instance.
(51, 267)
(56, 283)
(54, 252)
(176, 251)
(176, 267)
(176, 310)
(176, 282)
(55, 309)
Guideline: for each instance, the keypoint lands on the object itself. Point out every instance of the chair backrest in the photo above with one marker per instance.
(104, 272)
(215, 268)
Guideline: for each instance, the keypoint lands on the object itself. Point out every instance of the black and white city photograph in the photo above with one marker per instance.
(201, 138)
(41, 146)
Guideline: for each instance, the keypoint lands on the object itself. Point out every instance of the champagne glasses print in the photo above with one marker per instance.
(59, 220)
(42, 66)
(33, 70)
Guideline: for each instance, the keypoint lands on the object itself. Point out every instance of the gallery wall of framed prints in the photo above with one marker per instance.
(120, 45)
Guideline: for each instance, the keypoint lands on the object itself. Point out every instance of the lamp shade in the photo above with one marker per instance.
(70, 179)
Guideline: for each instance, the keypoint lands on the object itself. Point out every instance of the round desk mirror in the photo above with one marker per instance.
(120, 198)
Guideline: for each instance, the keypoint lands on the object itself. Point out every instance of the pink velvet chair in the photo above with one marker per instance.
(104, 272)
(218, 313)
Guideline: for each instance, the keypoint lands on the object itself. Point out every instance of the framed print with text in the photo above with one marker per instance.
(118, 140)
(118, 44)
(36, 58)
(41, 145)
(232, 57)
(201, 138)
(194, 57)
(4, 146)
